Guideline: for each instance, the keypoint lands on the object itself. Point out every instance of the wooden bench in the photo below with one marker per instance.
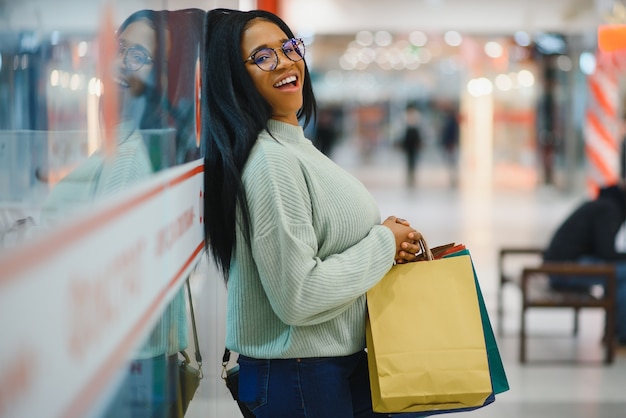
(536, 293)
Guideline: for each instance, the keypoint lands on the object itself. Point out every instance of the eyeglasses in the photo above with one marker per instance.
(267, 58)
(134, 57)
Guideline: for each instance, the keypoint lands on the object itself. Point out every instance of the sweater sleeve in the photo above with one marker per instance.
(302, 288)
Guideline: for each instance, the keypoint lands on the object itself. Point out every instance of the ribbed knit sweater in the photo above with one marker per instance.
(297, 287)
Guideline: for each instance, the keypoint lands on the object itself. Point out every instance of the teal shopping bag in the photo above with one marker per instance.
(496, 368)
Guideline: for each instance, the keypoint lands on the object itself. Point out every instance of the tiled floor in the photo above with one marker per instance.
(484, 217)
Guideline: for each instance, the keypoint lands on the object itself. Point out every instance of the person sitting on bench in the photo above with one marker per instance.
(588, 236)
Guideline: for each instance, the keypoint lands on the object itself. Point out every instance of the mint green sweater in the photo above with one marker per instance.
(297, 288)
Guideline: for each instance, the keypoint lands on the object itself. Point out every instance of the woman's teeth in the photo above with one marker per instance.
(121, 82)
(291, 79)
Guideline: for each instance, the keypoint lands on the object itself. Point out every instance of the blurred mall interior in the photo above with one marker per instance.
(98, 221)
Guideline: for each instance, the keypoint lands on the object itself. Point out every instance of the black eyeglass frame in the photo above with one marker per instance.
(137, 65)
(294, 42)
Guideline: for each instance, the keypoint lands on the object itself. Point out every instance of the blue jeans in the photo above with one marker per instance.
(578, 283)
(319, 387)
(583, 284)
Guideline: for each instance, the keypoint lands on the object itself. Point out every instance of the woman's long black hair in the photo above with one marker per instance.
(233, 115)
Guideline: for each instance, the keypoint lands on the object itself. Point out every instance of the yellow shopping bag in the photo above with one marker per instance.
(425, 341)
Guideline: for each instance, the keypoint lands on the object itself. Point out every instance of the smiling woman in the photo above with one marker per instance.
(277, 78)
(288, 227)
(141, 64)
(155, 65)
(156, 98)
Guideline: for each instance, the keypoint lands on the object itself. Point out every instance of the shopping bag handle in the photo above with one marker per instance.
(440, 250)
(425, 250)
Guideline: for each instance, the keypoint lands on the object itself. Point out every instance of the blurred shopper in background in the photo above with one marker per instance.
(588, 235)
(326, 131)
(548, 126)
(298, 239)
(411, 142)
(450, 133)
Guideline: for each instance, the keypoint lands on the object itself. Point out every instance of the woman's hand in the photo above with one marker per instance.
(406, 239)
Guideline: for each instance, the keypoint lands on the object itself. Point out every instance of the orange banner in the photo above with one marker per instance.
(612, 37)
